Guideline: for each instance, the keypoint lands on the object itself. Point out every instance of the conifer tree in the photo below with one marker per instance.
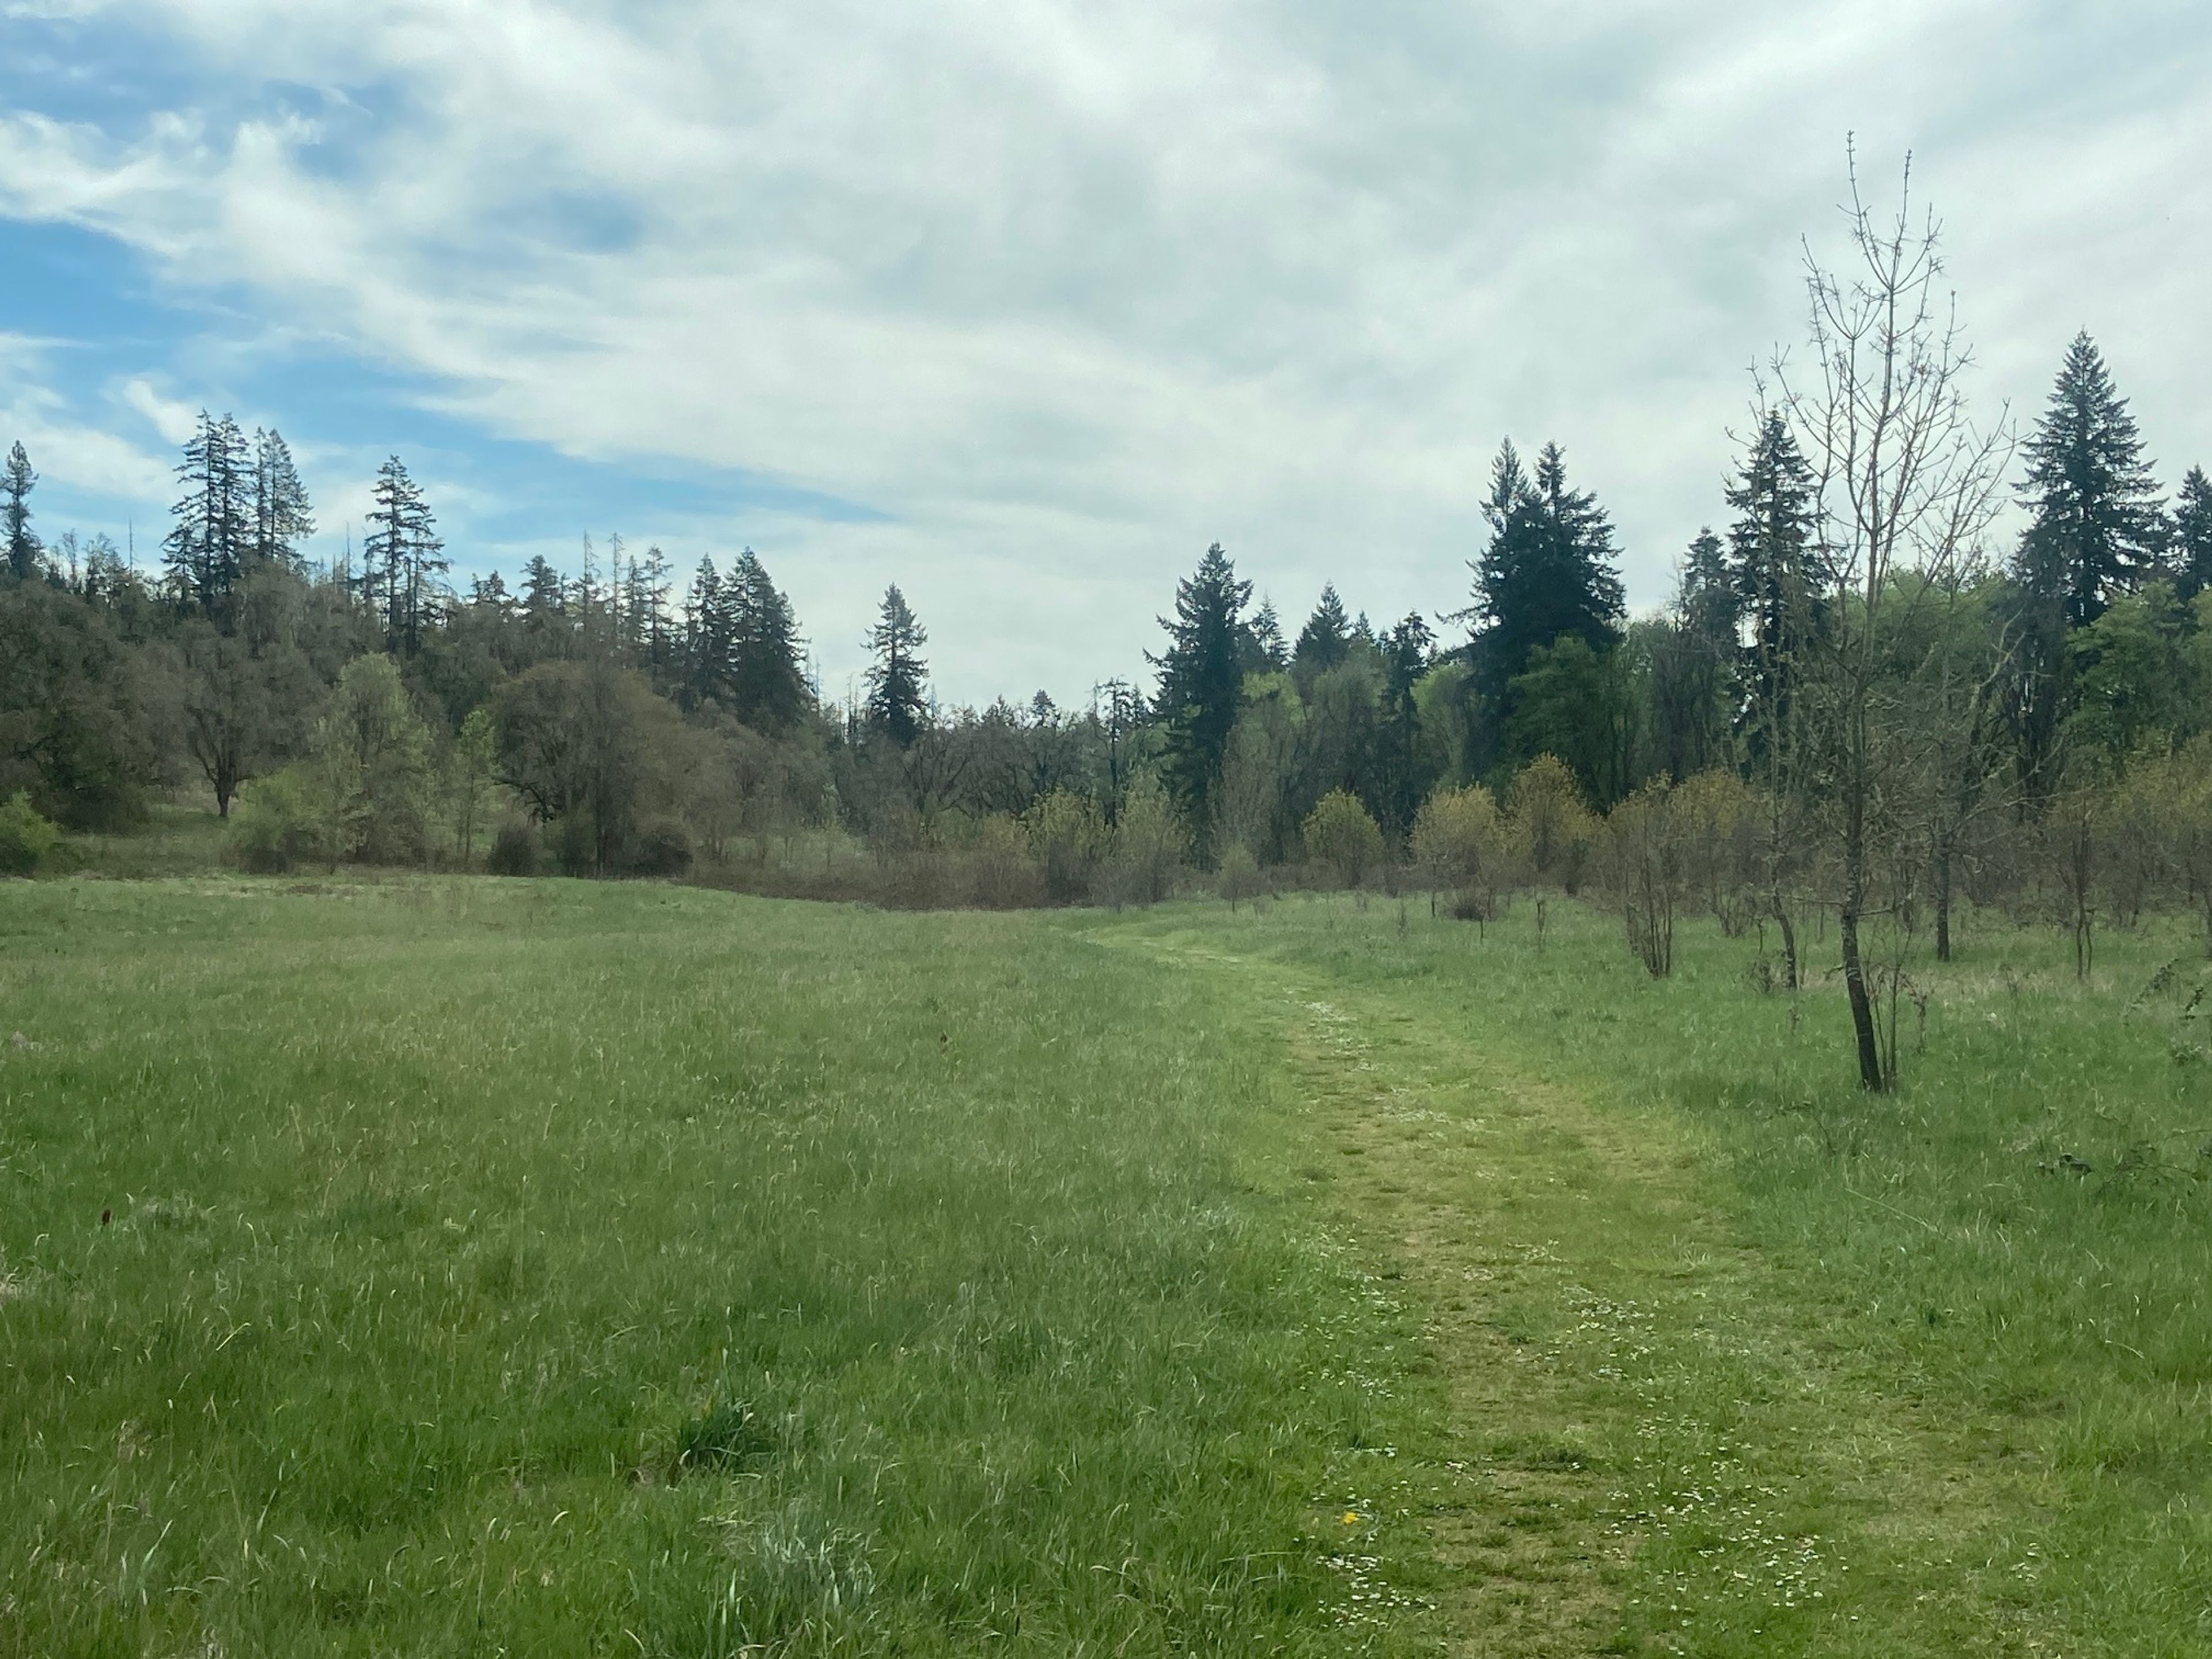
(2192, 552)
(405, 555)
(1201, 683)
(706, 636)
(1326, 639)
(1405, 650)
(205, 550)
(1548, 572)
(1270, 654)
(283, 517)
(1775, 569)
(767, 689)
(545, 606)
(896, 704)
(17, 481)
(2095, 526)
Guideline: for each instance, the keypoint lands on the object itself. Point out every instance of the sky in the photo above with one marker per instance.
(1022, 305)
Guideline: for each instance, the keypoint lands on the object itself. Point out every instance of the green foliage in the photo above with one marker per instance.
(1462, 841)
(1341, 833)
(26, 839)
(1201, 686)
(291, 817)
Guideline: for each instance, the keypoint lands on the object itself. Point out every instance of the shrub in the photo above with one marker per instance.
(1464, 842)
(1239, 877)
(26, 839)
(1341, 833)
(662, 847)
(285, 819)
(514, 850)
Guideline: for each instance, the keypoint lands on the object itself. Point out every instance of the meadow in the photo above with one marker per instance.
(461, 1266)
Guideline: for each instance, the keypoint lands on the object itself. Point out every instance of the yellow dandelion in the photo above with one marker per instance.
(1351, 1517)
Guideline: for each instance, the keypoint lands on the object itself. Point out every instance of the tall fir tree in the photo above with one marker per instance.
(2191, 553)
(283, 516)
(1326, 639)
(897, 704)
(1401, 782)
(403, 550)
(1201, 685)
(1548, 572)
(705, 637)
(17, 481)
(1270, 653)
(1774, 564)
(2095, 525)
(205, 549)
(768, 684)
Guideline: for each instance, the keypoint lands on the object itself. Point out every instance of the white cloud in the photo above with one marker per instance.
(1066, 293)
(175, 420)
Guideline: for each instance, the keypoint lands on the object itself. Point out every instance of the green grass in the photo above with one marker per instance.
(556, 1268)
(551, 1267)
(1949, 1351)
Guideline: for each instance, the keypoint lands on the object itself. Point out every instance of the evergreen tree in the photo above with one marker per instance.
(1548, 572)
(768, 688)
(897, 706)
(1201, 683)
(2192, 552)
(1775, 570)
(705, 637)
(545, 607)
(2095, 526)
(1269, 653)
(17, 481)
(205, 550)
(283, 517)
(1401, 784)
(403, 551)
(1694, 656)
(1325, 640)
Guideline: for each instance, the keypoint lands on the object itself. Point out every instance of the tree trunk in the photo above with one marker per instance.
(1943, 902)
(1789, 976)
(1871, 1075)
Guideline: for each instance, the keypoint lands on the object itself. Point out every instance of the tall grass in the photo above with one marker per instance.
(460, 1266)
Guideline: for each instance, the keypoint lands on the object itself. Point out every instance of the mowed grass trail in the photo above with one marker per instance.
(1743, 1361)
(553, 1268)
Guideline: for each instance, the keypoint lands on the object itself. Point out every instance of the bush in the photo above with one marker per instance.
(662, 847)
(282, 820)
(26, 839)
(1462, 841)
(1341, 833)
(513, 850)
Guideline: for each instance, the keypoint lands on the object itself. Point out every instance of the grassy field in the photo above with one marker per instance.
(461, 1266)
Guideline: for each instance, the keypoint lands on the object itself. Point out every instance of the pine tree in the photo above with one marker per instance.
(545, 607)
(2191, 553)
(17, 481)
(205, 550)
(283, 517)
(1201, 683)
(706, 639)
(403, 551)
(650, 602)
(1269, 654)
(897, 706)
(1406, 652)
(768, 688)
(1694, 656)
(1775, 571)
(2096, 527)
(1548, 572)
(1326, 639)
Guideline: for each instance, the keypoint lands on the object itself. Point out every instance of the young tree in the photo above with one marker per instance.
(897, 706)
(1201, 681)
(1904, 482)
(283, 516)
(406, 555)
(16, 483)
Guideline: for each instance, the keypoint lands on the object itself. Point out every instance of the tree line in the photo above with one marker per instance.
(1856, 703)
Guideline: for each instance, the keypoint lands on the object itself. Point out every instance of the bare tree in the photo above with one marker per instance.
(1906, 483)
